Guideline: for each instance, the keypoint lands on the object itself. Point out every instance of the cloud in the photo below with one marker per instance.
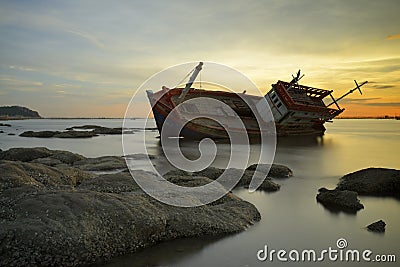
(88, 52)
(22, 68)
(393, 37)
(383, 86)
(383, 104)
(359, 101)
(67, 85)
(88, 37)
(385, 65)
(365, 102)
(20, 83)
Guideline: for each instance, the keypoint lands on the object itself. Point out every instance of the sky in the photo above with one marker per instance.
(87, 58)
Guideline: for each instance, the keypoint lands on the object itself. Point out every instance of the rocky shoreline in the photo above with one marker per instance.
(267, 172)
(85, 131)
(372, 182)
(61, 208)
(57, 210)
(369, 182)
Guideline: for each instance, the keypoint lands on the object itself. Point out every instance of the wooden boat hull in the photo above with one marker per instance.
(164, 101)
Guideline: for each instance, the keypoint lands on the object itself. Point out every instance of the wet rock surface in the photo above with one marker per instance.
(53, 211)
(370, 181)
(373, 182)
(104, 163)
(378, 227)
(58, 134)
(246, 175)
(275, 170)
(339, 199)
(85, 131)
(25, 154)
(97, 129)
(39, 153)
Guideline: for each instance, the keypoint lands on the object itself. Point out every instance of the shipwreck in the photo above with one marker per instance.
(296, 109)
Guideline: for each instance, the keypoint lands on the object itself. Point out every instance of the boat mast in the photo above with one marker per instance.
(346, 94)
(191, 80)
(295, 80)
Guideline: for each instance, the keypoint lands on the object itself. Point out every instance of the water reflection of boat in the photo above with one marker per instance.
(296, 109)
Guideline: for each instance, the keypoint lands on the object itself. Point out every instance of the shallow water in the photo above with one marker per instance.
(89, 147)
(291, 217)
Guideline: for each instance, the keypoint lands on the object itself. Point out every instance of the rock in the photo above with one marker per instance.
(66, 156)
(98, 129)
(378, 226)
(373, 182)
(276, 170)
(17, 174)
(111, 183)
(11, 134)
(105, 163)
(246, 177)
(39, 134)
(1, 131)
(339, 200)
(5, 125)
(280, 171)
(58, 134)
(25, 154)
(75, 134)
(62, 215)
(47, 161)
(84, 127)
(38, 155)
(268, 185)
(93, 130)
(105, 130)
(55, 157)
(91, 226)
(210, 172)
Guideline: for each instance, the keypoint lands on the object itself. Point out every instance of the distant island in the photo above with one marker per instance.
(17, 112)
(382, 117)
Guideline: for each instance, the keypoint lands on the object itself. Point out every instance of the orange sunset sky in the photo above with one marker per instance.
(87, 58)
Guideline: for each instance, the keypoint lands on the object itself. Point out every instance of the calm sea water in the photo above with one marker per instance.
(291, 217)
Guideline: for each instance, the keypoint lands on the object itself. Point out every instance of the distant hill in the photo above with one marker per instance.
(16, 112)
